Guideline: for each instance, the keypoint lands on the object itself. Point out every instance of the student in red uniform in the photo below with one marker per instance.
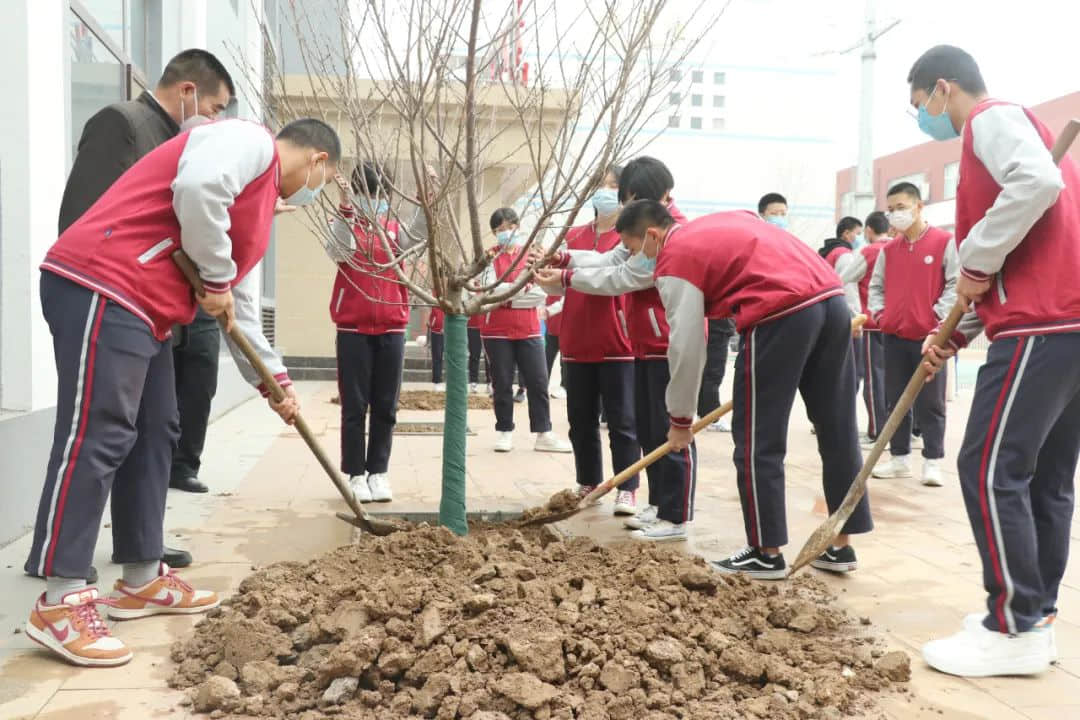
(1018, 231)
(552, 317)
(858, 272)
(773, 208)
(912, 288)
(796, 337)
(370, 308)
(673, 478)
(437, 344)
(111, 293)
(476, 351)
(511, 334)
(599, 363)
(839, 252)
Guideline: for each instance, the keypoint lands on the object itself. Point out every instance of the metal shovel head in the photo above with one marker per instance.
(370, 524)
(818, 542)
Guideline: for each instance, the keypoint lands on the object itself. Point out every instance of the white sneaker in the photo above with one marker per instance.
(899, 466)
(474, 388)
(379, 484)
(504, 441)
(643, 518)
(978, 652)
(866, 441)
(626, 502)
(360, 490)
(661, 531)
(721, 425)
(1046, 625)
(550, 442)
(440, 387)
(931, 473)
(558, 393)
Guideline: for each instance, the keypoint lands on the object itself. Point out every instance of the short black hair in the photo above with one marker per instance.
(615, 171)
(768, 199)
(645, 178)
(905, 188)
(199, 67)
(315, 134)
(503, 215)
(845, 224)
(370, 178)
(878, 222)
(640, 215)
(950, 63)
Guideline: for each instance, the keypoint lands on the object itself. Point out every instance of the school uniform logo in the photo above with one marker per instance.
(929, 259)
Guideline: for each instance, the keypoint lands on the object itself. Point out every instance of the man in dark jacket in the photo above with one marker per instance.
(194, 84)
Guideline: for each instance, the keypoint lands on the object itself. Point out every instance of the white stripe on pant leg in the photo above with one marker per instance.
(753, 434)
(1009, 590)
(74, 431)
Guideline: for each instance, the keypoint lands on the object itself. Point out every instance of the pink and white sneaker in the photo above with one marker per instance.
(626, 502)
(166, 594)
(75, 631)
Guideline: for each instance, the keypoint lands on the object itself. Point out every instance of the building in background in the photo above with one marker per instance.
(63, 61)
(934, 167)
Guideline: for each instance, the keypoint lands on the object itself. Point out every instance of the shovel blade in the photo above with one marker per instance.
(370, 524)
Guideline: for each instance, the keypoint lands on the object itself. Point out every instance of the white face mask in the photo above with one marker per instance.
(901, 219)
(183, 116)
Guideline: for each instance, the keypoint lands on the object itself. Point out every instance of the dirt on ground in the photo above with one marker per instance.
(524, 624)
(430, 400)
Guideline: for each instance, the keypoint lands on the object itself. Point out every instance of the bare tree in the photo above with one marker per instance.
(439, 92)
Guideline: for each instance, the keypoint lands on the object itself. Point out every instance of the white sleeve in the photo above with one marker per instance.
(950, 266)
(1010, 148)
(216, 164)
(684, 305)
(250, 324)
(610, 280)
(590, 258)
(854, 270)
(556, 307)
(851, 290)
(531, 296)
(875, 294)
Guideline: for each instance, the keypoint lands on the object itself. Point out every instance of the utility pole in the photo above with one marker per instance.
(864, 171)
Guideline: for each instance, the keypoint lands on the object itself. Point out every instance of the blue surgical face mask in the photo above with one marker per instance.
(641, 263)
(779, 221)
(939, 127)
(372, 208)
(605, 201)
(858, 241)
(305, 195)
(504, 237)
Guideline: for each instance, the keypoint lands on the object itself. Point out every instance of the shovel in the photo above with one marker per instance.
(822, 537)
(360, 518)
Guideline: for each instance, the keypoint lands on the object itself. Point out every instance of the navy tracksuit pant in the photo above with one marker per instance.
(902, 358)
(716, 352)
(437, 341)
(672, 478)
(527, 355)
(369, 379)
(1016, 471)
(476, 349)
(196, 348)
(586, 385)
(116, 429)
(808, 352)
(872, 359)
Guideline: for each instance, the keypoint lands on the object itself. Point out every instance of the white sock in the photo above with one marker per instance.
(57, 587)
(140, 573)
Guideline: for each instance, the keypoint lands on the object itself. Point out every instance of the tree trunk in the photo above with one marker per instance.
(452, 504)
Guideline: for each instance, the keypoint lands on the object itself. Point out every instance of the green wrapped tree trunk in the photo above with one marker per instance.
(452, 504)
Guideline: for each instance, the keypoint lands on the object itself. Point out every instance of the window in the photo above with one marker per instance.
(695, 123)
(952, 179)
(847, 203)
(675, 98)
(718, 101)
(718, 78)
(718, 123)
(109, 15)
(98, 77)
(695, 100)
(675, 75)
(673, 121)
(697, 76)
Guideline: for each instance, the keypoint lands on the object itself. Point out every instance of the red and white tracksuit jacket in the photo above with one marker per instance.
(516, 319)
(913, 285)
(860, 271)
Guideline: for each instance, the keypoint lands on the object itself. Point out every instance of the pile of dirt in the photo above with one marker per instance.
(557, 505)
(430, 400)
(513, 625)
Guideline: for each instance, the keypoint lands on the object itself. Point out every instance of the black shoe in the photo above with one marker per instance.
(520, 396)
(91, 576)
(176, 558)
(188, 484)
(754, 563)
(838, 560)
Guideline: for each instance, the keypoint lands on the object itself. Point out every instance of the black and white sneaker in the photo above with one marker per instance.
(838, 560)
(754, 563)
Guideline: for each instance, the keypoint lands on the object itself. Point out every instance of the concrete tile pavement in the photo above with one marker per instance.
(270, 501)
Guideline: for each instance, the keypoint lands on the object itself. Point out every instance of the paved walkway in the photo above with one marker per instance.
(270, 502)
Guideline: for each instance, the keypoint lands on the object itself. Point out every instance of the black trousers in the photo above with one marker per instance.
(586, 384)
(369, 379)
(437, 343)
(872, 360)
(551, 350)
(1016, 467)
(476, 350)
(808, 352)
(902, 358)
(716, 352)
(116, 427)
(196, 348)
(672, 478)
(528, 355)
